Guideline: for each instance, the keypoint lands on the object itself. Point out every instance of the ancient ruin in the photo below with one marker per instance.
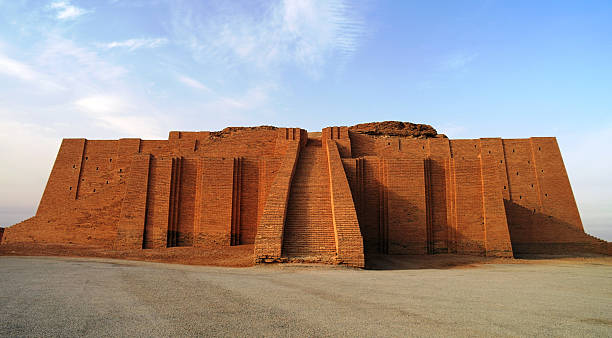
(332, 196)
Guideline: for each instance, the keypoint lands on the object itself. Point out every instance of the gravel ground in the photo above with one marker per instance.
(51, 296)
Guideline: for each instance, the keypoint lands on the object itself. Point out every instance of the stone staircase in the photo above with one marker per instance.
(309, 229)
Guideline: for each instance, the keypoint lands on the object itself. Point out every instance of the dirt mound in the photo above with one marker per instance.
(229, 130)
(234, 256)
(396, 128)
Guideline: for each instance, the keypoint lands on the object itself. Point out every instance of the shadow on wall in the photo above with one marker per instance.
(532, 232)
(403, 244)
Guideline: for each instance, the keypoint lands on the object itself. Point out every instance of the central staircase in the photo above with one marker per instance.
(309, 229)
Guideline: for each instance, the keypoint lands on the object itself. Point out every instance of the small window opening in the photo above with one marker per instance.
(520, 197)
(512, 150)
(120, 170)
(542, 170)
(534, 211)
(539, 148)
(97, 168)
(532, 185)
(504, 187)
(388, 143)
(86, 158)
(528, 162)
(94, 190)
(423, 147)
(110, 159)
(489, 151)
(74, 166)
(546, 195)
(517, 173)
(106, 182)
(82, 180)
(70, 188)
(474, 146)
(501, 161)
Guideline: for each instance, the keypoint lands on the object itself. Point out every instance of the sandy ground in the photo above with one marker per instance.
(62, 296)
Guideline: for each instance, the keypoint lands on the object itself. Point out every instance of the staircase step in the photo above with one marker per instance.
(309, 227)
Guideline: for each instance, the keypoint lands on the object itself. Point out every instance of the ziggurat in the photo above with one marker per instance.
(333, 196)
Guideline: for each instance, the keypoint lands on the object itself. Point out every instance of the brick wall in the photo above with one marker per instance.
(409, 195)
(131, 225)
(349, 242)
(268, 242)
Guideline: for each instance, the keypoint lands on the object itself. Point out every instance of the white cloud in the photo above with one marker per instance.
(133, 44)
(119, 114)
(193, 83)
(66, 11)
(24, 72)
(76, 65)
(458, 61)
(307, 33)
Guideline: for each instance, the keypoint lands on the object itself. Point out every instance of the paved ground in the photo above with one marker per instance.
(46, 296)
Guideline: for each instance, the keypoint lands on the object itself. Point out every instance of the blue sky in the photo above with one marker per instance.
(132, 68)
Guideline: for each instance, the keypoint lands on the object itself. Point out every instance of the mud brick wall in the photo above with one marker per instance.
(132, 220)
(158, 203)
(405, 208)
(478, 196)
(349, 243)
(497, 236)
(215, 206)
(269, 239)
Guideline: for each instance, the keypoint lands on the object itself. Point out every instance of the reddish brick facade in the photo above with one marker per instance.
(333, 196)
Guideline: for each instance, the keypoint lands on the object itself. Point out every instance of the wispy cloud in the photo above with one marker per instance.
(133, 44)
(24, 72)
(458, 61)
(66, 11)
(119, 114)
(306, 33)
(193, 83)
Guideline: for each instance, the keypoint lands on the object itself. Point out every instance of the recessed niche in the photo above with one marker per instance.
(110, 159)
(546, 195)
(489, 151)
(532, 185)
(512, 150)
(74, 166)
(82, 180)
(94, 190)
(120, 170)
